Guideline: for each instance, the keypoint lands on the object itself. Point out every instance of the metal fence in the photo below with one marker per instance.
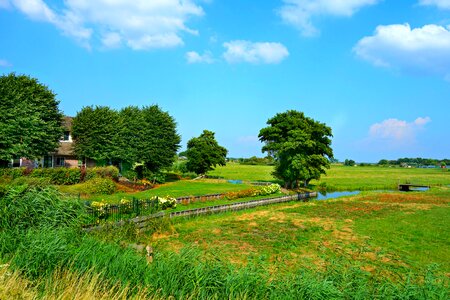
(120, 211)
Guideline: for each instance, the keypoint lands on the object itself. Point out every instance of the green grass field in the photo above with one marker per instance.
(343, 178)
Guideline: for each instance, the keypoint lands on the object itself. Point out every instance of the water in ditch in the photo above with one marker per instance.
(330, 195)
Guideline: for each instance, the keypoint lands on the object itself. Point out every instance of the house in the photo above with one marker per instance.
(62, 157)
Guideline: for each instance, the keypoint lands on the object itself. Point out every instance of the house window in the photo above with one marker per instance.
(16, 162)
(47, 161)
(66, 136)
(60, 162)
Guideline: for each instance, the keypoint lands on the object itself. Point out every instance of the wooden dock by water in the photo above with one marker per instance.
(406, 187)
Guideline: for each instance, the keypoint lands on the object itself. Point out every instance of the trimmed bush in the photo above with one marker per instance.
(59, 176)
(102, 172)
(103, 186)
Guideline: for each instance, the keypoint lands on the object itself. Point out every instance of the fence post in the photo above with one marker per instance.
(136, 206)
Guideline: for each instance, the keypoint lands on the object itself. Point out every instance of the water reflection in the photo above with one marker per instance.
(329, 195)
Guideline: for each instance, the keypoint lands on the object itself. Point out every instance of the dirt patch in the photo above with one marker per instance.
(252, 216)
(253, 224)
(278, 217)
(216, 231)
(162, 235)
(367, 208)
(407, 198)
(370, 269)
(325, 223)
(175, 246)
(417, 206)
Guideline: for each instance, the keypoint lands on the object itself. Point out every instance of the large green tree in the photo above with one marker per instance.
(30, 120)
(159, 141)
(94, 130)
(204, 153)
(300, 145)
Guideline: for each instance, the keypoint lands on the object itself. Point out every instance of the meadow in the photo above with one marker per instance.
(377, 244)
(344, 178)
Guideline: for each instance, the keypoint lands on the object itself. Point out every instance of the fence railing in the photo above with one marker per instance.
(134, 208)
(120, 211)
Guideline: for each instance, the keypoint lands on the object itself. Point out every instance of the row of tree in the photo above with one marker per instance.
(135, 135)
(418, 161)
(30, 126)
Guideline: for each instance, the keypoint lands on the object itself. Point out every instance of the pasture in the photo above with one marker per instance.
(343, 178)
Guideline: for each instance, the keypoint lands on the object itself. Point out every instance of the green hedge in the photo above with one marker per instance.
(102, 172)
(62, 176)
(59, 176)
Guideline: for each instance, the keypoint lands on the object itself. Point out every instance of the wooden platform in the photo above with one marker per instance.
(406, 187)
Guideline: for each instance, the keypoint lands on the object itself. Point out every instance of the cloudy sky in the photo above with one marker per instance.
(376, 71)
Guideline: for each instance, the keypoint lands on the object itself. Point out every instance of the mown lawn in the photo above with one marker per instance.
(384, 234)
(176, 189)
(244, 172)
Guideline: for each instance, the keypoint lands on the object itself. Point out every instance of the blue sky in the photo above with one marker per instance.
(376, 71)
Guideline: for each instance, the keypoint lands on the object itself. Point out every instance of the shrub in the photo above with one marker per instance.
(165, 203)
(31, 181)
(154, 177)
(103, 186)
(263, 191)
(130, 175)
(59, 176)
(102, 172)
(12, 173)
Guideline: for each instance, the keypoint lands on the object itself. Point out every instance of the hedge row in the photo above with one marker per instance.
(63, 176)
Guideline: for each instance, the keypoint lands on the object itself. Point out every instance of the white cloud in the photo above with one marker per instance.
(139, 24)
(424, 50)
(394, 132)
(5, 64)
(299, 13)
(193, 57)
(443, 4)
(111, 40)
(255, 53)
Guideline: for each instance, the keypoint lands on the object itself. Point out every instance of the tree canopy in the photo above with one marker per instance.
(30, 120)
(94, 130)
(300, 145)
(204, 153)
(133, 135)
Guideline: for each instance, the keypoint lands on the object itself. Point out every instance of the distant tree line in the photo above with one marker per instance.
(415, 162)
(268, 161)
